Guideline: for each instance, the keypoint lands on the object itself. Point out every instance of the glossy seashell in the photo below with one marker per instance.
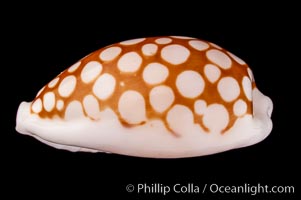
(161, 97)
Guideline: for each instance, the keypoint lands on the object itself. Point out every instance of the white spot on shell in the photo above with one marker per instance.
(53, 83)
(132, 41)
(200, 107)
(129, 62)
(237, 59)
(49, 101)
(180, 119)
(198, 45)
(175, 54)
(74, 67)
(110, 53)
(155, 73)
(240, 108)
(228, 88)
(216, 117)
(37, 106)
(161, 98)
(131, 107)
(163, 40)
(90, 71)
(190, 84)
(212, 72)
(74, 111)
(91, 107)
(220, 58)
(104, 86)
(149, 49)
(59, 104)
(247, 87)
(250, 73)
(67, 86)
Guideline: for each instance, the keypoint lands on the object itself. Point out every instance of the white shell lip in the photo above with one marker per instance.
(151, 139)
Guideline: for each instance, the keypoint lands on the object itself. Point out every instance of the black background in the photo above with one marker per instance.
(41, 42)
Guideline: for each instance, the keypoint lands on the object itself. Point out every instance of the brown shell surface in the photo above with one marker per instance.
(196, 60)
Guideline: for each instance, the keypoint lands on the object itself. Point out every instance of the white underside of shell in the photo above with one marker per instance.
(151, 139)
